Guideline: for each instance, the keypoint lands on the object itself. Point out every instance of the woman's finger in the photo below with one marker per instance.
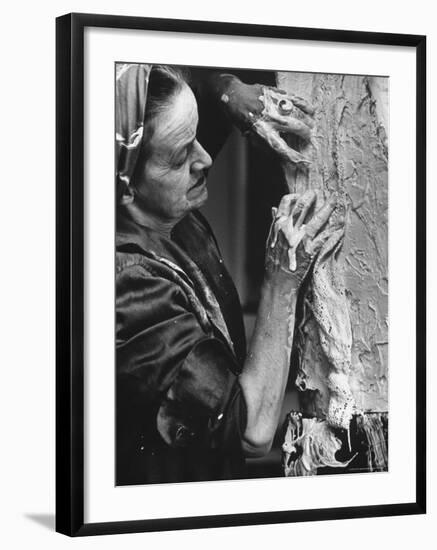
(299, 102)
(303, 205)
(286, 109)
(320, 200)
(295, 126)
(313, 247)
(302, 104)
(278, 90)
(270, 136)
(321, 217)
(284, 208)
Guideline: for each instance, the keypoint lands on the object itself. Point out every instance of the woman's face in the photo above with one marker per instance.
(172, 181)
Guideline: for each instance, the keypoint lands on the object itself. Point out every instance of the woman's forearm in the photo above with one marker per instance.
(266, 368)
(291, 247)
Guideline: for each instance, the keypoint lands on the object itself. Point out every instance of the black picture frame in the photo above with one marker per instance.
(70, 273)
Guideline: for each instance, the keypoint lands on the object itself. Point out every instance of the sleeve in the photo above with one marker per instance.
(165, 356)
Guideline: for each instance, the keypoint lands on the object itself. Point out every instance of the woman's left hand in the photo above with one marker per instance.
(267, 112)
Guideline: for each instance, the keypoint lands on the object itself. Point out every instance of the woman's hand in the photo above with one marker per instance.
(266, 113)
(296, 236)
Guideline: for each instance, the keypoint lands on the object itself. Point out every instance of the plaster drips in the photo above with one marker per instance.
(309, 444)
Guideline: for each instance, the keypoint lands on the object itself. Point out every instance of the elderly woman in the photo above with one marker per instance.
(191, 405)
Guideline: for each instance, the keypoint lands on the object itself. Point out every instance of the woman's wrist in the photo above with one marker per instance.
(280, 289)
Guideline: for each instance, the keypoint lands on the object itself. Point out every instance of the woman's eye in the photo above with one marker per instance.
(184, 156)
(181, 160)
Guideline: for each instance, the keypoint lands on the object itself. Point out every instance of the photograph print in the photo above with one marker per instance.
(251, 274)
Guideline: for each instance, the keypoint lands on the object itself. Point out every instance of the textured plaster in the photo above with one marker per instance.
(349, 155)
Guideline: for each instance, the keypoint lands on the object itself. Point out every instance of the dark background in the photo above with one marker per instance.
(244, 182)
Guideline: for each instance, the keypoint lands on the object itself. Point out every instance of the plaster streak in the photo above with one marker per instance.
(331, 313)
(293, 237)
(375, 427)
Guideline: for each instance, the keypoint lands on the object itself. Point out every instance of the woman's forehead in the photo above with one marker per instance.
(179, 121)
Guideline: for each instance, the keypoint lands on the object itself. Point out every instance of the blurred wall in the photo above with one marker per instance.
(243, 183)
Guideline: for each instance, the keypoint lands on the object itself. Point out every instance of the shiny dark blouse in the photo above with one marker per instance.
(180, 347)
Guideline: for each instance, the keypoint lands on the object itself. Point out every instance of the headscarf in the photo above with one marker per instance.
(131, 85)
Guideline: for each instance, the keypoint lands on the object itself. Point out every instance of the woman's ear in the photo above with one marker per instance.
(127, 195)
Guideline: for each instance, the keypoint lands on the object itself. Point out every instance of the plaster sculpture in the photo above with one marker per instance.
(342, 333)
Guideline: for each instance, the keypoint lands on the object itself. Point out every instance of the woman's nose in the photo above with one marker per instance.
(202, 161)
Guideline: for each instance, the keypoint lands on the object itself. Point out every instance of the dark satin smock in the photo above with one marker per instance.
(180, 346)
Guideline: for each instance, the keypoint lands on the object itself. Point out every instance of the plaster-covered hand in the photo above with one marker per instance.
(297, 234)
(267, 112)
